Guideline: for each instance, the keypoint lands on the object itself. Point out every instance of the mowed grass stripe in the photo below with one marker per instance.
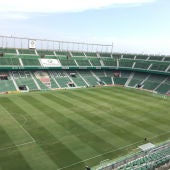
(58, 150)
(76, 132)
(74, 127)
(6, 142)
(133, 106)
(13, 128)
(146, 120)
(87, 113)
(61, 97)
(97, 117)
(109, 117)
(151, 100)
(75, 114)
(144, 96)
(107, 98)
(96, 109)
(66, 125)
(32, 153)
(148, 125)
(123, 130)
(97, 158)
(13, 160)
(155, 115)
(142, 105)
(10, 158)
(102, 156)
(13, 135)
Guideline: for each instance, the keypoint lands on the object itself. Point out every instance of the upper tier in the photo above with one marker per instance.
(29, 58)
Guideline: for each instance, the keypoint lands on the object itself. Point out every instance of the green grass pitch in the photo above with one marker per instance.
(69, 129)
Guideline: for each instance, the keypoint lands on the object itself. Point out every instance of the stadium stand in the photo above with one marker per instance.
(109, 62)
(128, 56)
(26, 51)
(105, 55)
(89, 78)
(61, 78)
(116, 55)
(30, 62)
(95, 61)
(126, 63)
(7, 85)
(8, 50)
(28, 82)
(49, 69)
(45, 52)
(67, 62)
(159, 66)
(163, 88)
(141, 57)
(77, 79)
(156, 58)
(142, 160)
(120, 80)
(83, 68)
(106, 80)
(90, 54)
(99, 73)
(25, 78)
(167, 59)
(28, 56)
(142, 65)
(78, 54)
(152, 82)
(53, 82)
(9, 62)
(61, 53)
(82, 61)
(63, 81)
(137, 79)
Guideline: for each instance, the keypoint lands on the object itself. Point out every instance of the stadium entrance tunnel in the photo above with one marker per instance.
(23, 88)
(71, 84)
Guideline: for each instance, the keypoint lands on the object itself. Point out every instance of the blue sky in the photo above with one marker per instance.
(141, 26)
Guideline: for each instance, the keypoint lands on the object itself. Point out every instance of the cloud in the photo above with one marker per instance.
(60, 6)
(13, 16)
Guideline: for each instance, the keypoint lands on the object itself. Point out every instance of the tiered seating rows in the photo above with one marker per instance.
(159, 83)
(42, 52)
(32, 61)
(149, 161)
(9, 61)
(7, 85)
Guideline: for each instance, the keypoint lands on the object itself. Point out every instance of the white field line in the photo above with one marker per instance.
(76, 163)
(25, 120)
(98, 155)
(11, 147)
(160, 134)
(33, 140)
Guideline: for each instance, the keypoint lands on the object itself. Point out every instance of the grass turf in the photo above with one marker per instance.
(69, 129)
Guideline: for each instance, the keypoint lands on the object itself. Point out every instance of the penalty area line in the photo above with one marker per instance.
(33, 140)
(11, 147)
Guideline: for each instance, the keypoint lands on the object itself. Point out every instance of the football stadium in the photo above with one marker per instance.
(73, 106)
